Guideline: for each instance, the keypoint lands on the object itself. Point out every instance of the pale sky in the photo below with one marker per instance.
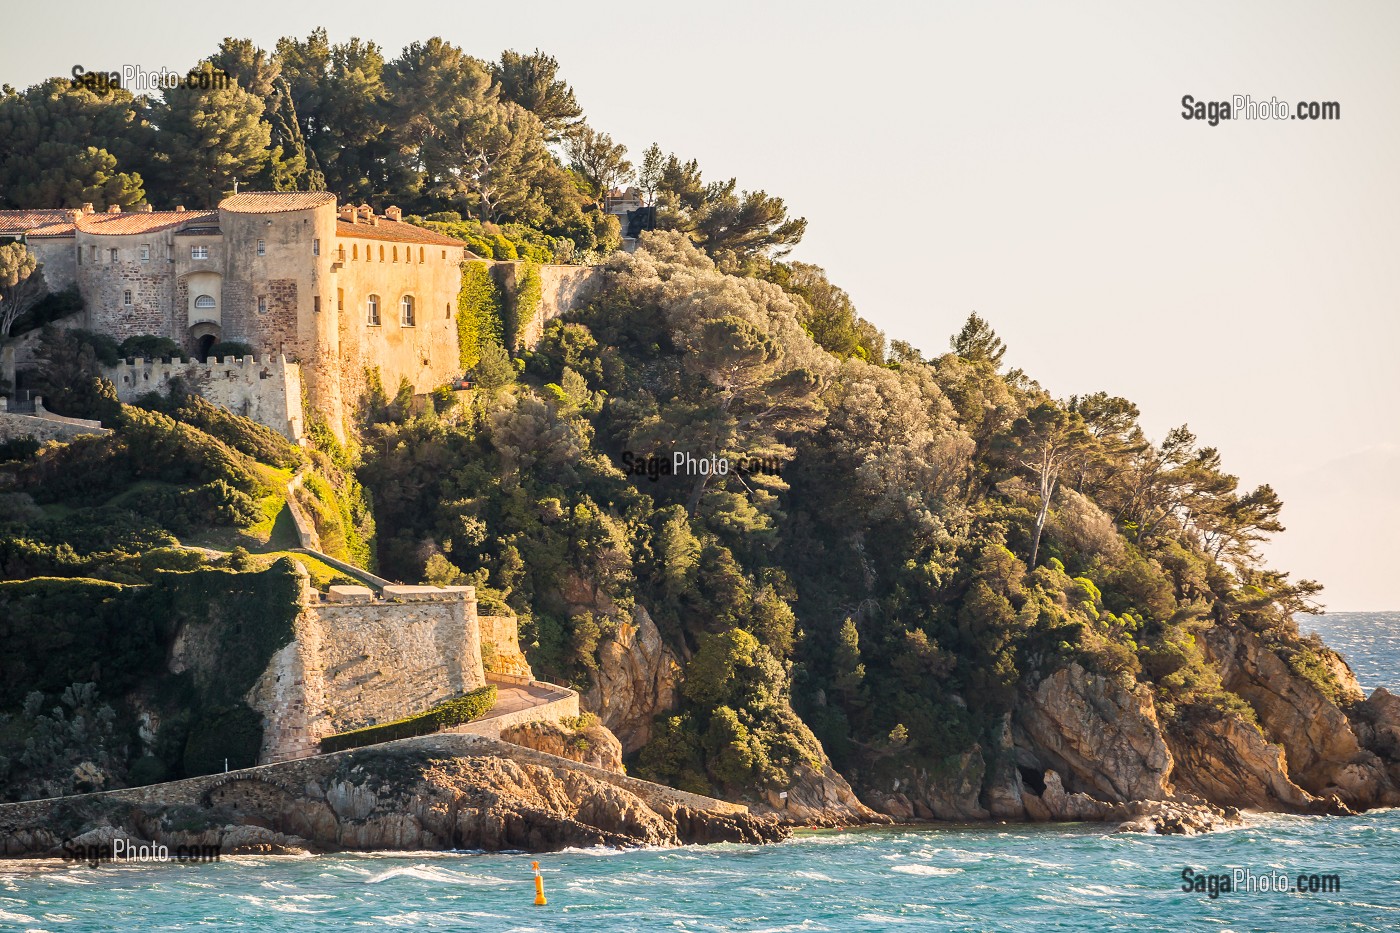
(1027, 162)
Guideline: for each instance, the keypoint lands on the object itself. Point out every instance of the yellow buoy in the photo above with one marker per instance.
(539, 886)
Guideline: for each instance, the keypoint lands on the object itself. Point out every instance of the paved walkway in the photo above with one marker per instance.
(511, 698)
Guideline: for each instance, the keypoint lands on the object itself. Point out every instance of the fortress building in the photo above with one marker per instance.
(320, 293)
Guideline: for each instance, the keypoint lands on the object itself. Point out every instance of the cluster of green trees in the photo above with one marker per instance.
(435, 130)
(941, 531)
(93, 655)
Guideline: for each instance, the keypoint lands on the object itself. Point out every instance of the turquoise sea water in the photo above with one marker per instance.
(949, 878)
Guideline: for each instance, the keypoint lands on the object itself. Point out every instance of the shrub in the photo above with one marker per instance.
(18, 448)
(230, 348)
(149, 347)
(454, 712)
(232, 733)
(242, 434)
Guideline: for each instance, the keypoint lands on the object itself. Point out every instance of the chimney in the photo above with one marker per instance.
(87, 207)
(393, 213)
(114, 208)
(179, 208)
(146, 208)
(75, 214)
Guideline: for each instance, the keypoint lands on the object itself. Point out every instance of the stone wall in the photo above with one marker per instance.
(267, 391)
(500, 646)
(43, 425)
(105, 282)
(562, 288)
(359, 659)
(59, 254)
(424, 352)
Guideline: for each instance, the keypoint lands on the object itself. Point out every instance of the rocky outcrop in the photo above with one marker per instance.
(948, 792)
(1378, 724)
(589, 741)
(1324, 754)
(636, 679)
(1228, 760)
(817, 797)
(445, 791)
(1100, 735)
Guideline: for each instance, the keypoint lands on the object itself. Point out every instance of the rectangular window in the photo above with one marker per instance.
(145, 253)
(126, 298)
(262, 304)
(80, 255)
(114, 256)
(262, 248)
(199, 252)
(316, 303)
(92, 253)
(373, 307)
(340, 299)
(316, 247)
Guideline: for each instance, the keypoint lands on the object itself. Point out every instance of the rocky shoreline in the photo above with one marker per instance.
(1078, 747)
(444, 791)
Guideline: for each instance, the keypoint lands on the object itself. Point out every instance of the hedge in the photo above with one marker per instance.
(481, 312)
(445, 715)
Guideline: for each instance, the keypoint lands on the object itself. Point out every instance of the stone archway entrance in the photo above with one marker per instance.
(203, 336)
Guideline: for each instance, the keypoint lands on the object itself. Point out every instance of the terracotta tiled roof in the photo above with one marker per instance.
(274, 202)
(55, 222)
(393, 231)
(139, 222)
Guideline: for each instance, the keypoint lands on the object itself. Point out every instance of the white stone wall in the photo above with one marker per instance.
(267, 391)
(359, 659)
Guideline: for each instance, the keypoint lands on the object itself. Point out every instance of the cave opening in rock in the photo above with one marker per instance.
(1033, 780)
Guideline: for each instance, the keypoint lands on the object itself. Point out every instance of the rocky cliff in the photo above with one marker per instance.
(637, 679)
(435, 792)
(1084, 746)
(586, 741)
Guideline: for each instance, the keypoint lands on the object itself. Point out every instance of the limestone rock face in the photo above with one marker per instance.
(1229, 761)
(636, 679)
(1380, 723)
(818, 798)
(1103, 738)
(434, 792)
(1324, 755)
(593, 744)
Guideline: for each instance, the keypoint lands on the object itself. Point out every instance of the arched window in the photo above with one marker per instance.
(381, 252)
(406, 309)
(373, 303)
(205, 303)
(354, 251)
(420, 254)
(396, 254)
